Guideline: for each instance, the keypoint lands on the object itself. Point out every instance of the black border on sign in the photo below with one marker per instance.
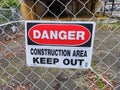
(88, 25)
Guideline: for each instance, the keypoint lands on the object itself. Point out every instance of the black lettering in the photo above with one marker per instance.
(49, 52)
(45, 50)
(49, 60)
(56, 52)
(31, 51)
(35, 60)
(79, 53)
(85, 54)
(39, 52)
(35, 51)
(66, 61)
(62, 53)
(73, 62)
(42, 60)
(80, 61)
(55, 60)
(74, 53)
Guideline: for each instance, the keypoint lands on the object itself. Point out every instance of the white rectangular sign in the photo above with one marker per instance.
(59, 44)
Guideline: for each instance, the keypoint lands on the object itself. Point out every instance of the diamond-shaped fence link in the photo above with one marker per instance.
(105, 71)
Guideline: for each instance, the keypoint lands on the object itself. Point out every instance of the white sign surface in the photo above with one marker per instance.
(59, 44)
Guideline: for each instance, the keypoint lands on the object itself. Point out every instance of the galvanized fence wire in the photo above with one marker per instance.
(105, 71)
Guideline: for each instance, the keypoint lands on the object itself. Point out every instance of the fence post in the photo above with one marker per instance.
(27, 12)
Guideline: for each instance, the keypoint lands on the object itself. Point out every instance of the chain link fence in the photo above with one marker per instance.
(105, 71)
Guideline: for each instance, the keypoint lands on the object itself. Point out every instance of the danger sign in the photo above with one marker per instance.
(59, 44)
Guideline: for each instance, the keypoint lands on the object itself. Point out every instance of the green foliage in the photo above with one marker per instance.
(1, 3)
(9, 3)
(99, 82)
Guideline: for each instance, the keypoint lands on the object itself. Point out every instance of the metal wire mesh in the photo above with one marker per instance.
(15, 75)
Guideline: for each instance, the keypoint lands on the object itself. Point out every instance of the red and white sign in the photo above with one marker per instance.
(55, 34)
(59, 44)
